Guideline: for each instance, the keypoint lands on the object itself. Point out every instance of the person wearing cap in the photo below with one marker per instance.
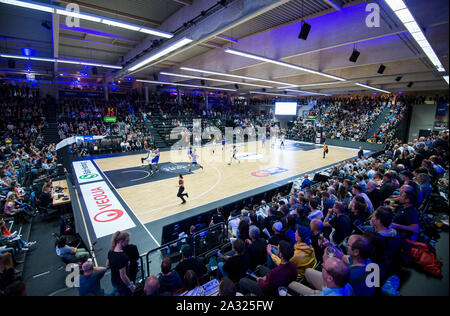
(277, 236)
(304, 256)
(190, 263)
(90, 280)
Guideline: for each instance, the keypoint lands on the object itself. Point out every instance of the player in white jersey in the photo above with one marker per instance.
(214, 146)
(234, 154)
(282, 141)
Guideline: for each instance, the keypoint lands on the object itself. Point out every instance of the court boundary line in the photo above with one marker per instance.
(290, 179)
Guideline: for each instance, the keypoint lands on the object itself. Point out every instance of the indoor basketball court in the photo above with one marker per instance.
(153, 197)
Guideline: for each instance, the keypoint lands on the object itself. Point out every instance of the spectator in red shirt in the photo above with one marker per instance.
(283, 275)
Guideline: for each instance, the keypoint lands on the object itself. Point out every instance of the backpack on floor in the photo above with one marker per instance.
(425, 258)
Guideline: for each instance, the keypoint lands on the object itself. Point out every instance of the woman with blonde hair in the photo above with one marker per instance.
(118, 262)
(11, 209)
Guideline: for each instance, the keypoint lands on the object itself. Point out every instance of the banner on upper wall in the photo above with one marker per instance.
(84, 139)
(85, 171)
(110, 119)
(81, 94)
(441, 111)
(106, 213)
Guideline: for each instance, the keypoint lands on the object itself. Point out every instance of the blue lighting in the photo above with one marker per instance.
(129, 78)
(335, 4)
(28, 52)
(400, 92)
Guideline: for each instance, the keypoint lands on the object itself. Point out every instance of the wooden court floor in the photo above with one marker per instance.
(218, 180)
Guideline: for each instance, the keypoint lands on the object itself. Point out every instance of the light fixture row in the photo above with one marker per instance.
(183, 85)
(58, 60)
(405, 16)
(87, 16)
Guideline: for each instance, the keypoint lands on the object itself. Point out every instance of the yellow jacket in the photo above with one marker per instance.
(303, 258)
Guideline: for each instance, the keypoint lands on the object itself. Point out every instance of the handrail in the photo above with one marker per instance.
(146, 272)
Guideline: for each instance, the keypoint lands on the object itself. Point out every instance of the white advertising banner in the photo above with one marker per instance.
(106, 213)
(86, 171)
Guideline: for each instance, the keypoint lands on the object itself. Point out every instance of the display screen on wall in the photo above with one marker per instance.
(285, 108)
(110, 119)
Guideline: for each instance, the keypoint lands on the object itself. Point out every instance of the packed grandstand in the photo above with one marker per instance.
(380, 208)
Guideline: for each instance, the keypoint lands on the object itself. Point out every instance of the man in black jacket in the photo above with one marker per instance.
(388, 188)
(257, 248)
(236, 266)
(190, 263)
(374, 194)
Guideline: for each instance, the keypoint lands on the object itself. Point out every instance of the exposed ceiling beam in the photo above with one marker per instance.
(84, 39)
(337, 4)
(115, 52)
(97, 33)
(55, 31)
(185, 2)
(115, 12)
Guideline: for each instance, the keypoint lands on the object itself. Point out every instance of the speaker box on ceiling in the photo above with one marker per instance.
(398, 78)
(94, 71)
(264, 89)
(155, 77)
(410, 84)
(11, 63)
(304, 31)
(381, 69)
(236, 86)
(202, 82)
(354, 56)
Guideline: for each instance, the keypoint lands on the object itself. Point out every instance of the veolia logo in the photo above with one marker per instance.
(108, 216)
(89, 176)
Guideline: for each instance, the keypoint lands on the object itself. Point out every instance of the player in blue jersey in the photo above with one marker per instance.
(223, 143)
(194, 160)
(155, 160)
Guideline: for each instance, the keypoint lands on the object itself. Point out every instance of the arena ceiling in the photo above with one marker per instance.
(266, 28)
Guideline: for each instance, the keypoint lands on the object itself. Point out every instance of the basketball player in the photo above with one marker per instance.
(194, 160)
(155, 159)
(263, 140)
(181, 189)
(234, 155)
(214, 146)
(325, 150)
(223, 143)
(282, 141)
(148, 150)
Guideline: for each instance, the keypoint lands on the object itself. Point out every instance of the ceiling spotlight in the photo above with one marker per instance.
(354, 56)
(304, 31)
(381, 69)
